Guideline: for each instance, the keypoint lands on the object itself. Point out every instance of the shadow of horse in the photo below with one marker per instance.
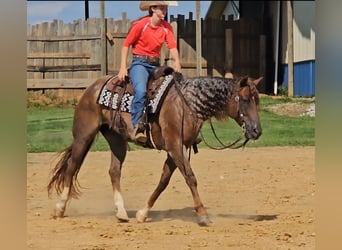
(253, 217)
(185, 214)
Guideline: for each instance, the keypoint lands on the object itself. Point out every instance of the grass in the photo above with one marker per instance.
(49, 129)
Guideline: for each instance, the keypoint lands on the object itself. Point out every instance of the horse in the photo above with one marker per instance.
(174, 128)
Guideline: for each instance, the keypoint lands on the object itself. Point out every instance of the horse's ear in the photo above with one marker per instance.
(162, 71)
(243, 81)
(257, 81)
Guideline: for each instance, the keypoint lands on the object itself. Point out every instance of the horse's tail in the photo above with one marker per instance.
(59, 172)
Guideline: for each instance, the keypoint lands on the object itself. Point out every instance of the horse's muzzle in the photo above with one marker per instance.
(252, 131)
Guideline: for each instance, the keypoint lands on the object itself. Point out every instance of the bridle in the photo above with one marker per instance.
(232, 145)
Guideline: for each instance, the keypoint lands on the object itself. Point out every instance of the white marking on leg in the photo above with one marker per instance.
(141, 214)
(60, 206)
(65, 194)
(118, 201)
(119, 205)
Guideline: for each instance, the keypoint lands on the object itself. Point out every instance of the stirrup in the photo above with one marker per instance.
(140, 135)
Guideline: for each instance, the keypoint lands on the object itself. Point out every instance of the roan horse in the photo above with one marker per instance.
(187, 105)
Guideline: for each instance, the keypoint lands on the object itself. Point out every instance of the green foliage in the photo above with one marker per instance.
(283, 91)
(277, 131)
(286, 131)
(50, 129)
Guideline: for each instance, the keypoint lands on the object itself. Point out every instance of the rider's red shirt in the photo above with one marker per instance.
(148, 40)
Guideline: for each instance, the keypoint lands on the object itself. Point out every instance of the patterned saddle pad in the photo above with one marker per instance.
(111, 99)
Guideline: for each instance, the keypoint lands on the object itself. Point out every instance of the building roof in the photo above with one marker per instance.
(216, 9)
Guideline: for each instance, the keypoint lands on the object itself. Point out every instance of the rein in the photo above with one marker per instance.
(223, 146)
(231, 145)
(112, 115)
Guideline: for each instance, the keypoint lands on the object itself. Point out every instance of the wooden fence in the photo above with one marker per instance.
(227, 46)
(68, 55)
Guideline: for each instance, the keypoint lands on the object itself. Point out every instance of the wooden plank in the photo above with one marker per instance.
(262, 63)
(50, 47)
(58, 55)
(229, 50)
(95, 46)
(76, 47)
(118, 35)
(63, 38)
(66, 46)
(58, 83)
(91, 67)
(193, 64)
(198, 39)
(103, 51)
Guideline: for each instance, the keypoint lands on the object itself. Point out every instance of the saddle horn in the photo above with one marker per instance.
(162, 71)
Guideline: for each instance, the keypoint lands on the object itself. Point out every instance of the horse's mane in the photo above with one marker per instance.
(208, 96)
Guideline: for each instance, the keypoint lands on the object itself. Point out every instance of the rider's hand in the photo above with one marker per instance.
(122, 74)
(177, 66)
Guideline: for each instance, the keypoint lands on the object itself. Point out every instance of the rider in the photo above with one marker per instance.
(146, 36)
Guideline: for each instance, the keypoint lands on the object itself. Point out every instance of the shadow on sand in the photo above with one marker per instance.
(254, 217)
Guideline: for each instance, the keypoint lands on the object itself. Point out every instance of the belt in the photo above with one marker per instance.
(149, 59)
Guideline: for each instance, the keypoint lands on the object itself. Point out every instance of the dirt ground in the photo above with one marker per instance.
(257, 198)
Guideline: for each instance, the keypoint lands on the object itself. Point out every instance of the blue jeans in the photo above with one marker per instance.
(139, 73)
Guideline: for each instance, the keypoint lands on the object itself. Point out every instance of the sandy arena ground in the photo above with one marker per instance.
(257, 198)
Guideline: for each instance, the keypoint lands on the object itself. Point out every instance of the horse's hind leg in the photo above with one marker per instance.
(118, 147)
(64, 177)
(168, 169)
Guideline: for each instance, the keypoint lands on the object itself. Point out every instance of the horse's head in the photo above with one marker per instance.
(247, 111)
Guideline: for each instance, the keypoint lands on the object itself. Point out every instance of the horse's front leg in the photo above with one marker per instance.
(183, 163)
(115, 175)
(168, 169)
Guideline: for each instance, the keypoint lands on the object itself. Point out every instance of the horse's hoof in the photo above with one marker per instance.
(122, 217)
(204, 221)
(123, 220)
(58, 214)
(140, 217)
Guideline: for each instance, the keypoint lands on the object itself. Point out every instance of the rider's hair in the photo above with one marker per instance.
(150, 12)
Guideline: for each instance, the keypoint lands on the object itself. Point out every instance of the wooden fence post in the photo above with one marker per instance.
(228, 51)
(290, 55)
(103, 40)
(198, 39)
(262, 63)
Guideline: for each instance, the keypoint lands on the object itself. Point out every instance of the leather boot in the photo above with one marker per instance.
(140, 133)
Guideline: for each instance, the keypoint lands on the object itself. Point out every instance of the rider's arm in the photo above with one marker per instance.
(123, 65)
